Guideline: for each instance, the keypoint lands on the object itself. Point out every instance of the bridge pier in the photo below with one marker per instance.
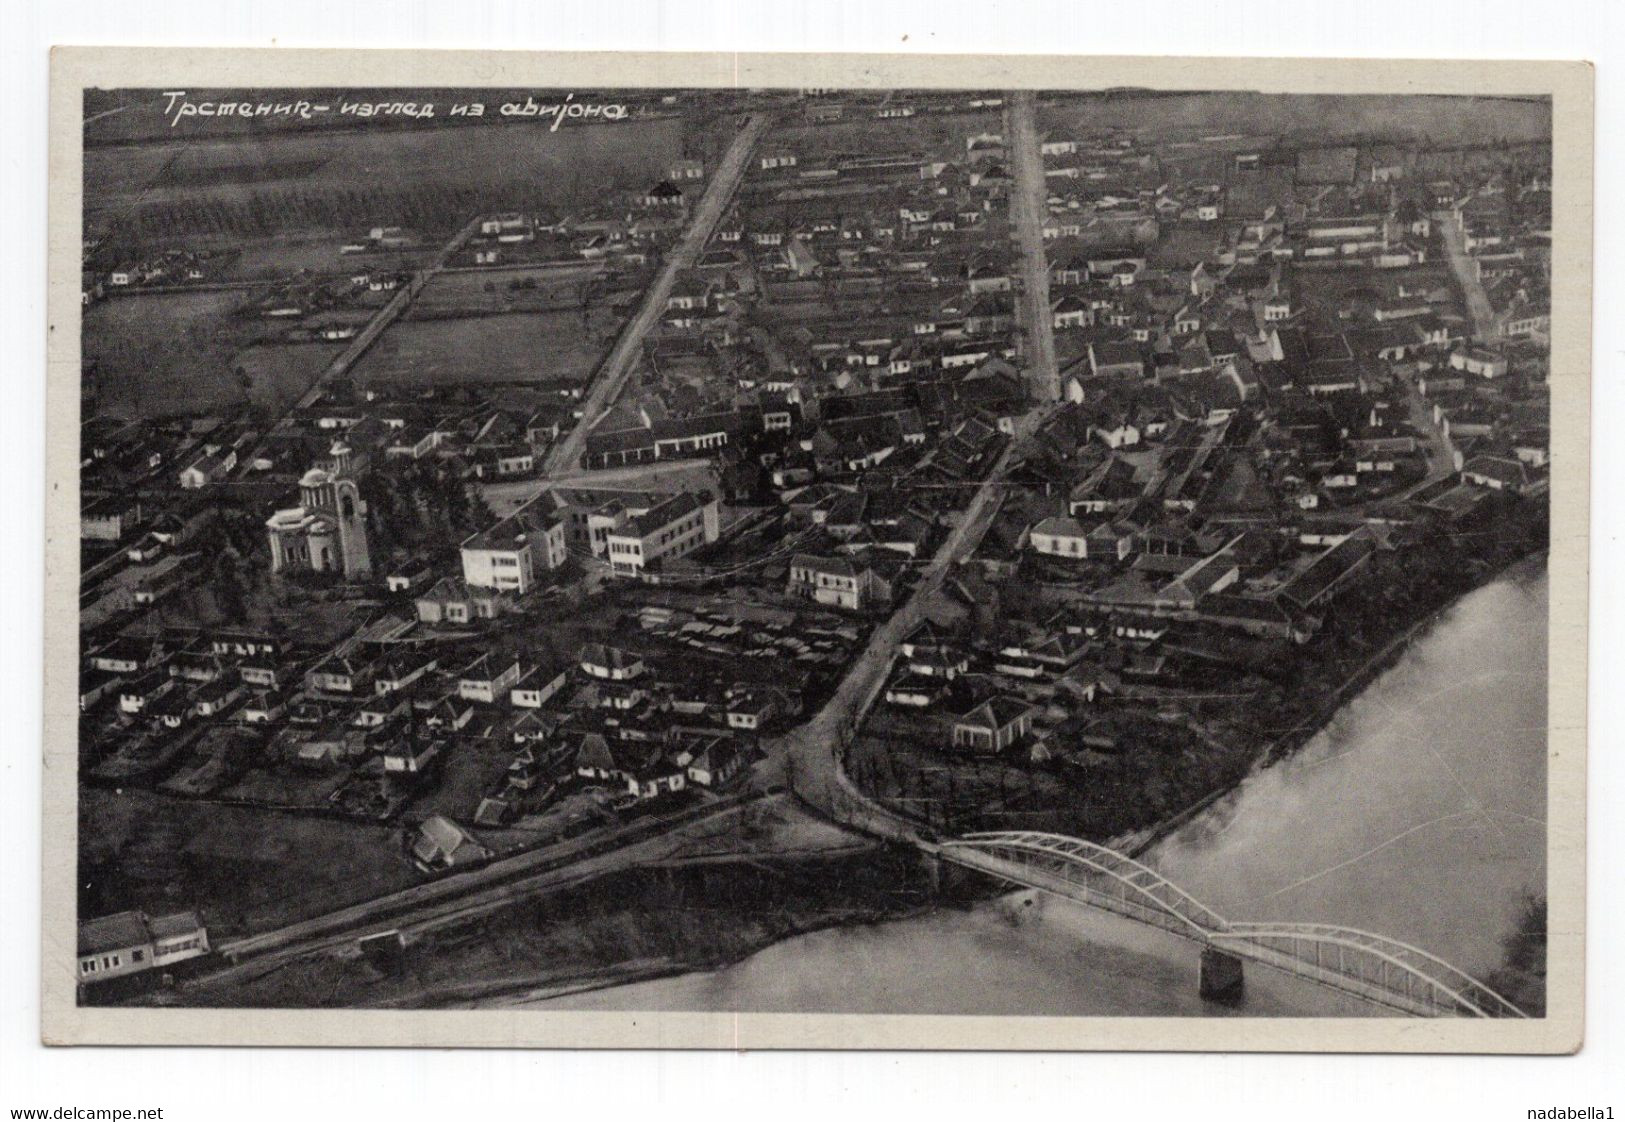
(951, 883)
(1386, 973)
(931, 865)
(1220, 978)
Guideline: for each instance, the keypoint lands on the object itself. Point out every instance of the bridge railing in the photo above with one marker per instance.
(1075, 882)
(1136, 879)
(1376, 968)
(1409, 971)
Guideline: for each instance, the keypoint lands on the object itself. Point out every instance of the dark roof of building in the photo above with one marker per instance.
(663, 514)
(997, 713)
(515, 530)
(107, 933)
(176, 923)
(600, 654)
(835, 566)
(1327, 569)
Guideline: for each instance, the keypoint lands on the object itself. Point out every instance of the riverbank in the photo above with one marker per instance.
(650, 922)
(1416, 813)
(699, 982)
(1306, 730)
(1151, 762)
(688, 925)
(1021, 954)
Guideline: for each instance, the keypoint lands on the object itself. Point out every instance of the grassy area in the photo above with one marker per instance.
(278, 373)
(516, 290)
(1155, 769)
(675, 919)
(279, 257)
(473, 767)
(194, 352)
(245, 869)
(537, 346)
(156, 354)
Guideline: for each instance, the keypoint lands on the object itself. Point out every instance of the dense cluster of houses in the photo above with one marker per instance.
(622, 229)
(1269, 380)
(672, 700)
(151, 486)
(1270, 376)
(1505, 225)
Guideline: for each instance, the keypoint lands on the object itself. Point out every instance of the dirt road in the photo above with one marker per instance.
(368, 335)
(808, 756)
(1466, 272)
(611, 378)
(1029, 203)
(489, 886)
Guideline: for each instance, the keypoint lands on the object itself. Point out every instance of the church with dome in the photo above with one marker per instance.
(327, 531)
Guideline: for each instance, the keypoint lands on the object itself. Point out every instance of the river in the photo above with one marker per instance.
(1418, 813)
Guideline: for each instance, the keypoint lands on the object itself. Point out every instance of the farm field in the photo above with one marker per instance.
(276, 258)
(1444, 120)
(245, 868)
(530, 346)
(280, 372)
(155, 354)
(566, 167)
(489, 291)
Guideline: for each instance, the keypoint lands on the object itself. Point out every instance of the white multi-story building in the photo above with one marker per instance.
(510, 555)
(670, 529)
(841, 582)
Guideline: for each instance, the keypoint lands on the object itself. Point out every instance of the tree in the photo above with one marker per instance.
(227, 586)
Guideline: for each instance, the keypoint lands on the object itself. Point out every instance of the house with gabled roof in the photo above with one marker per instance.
(610, 664)
(1502, 473)
(401, 669)
(340, 673)
(1208, 575)
(993, 726)
(715, 762)
(842, 582)
(489, 677)
(539, 684)
(1329, 572)
(451, 601)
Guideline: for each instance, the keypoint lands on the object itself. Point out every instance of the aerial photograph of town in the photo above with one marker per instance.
(1068, 553)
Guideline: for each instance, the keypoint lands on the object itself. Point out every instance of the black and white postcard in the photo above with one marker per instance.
(816, 551)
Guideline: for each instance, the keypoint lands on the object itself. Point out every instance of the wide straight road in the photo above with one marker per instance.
(656, 475)
(612, 375)
(503, 881)
(368, 335)
(1029, 203)
(1466, 271)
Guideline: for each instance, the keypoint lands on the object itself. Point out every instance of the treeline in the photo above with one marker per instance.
(421, 506)
(1521, 977)
(425, 207)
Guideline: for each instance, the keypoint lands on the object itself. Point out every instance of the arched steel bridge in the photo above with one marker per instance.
(1380, 970)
